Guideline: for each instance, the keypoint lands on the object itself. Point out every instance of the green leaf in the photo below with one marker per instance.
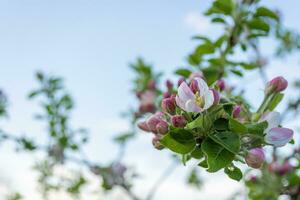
(211, 74)
(237, 72)
(183, 72)
(182, 135)
(228, 140)
(275, 101)
(203, 163)
(248, 66)
(234, 173)
(206, 48)
(203, 122)
(236, 126)
(257, 128)
(197, 153)
(217, 156)
(265, 12)
(218, 20)
(221, 124)
(225, 6)
(259, 24)
(182, 147)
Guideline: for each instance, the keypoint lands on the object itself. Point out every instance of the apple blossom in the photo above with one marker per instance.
(190, 102)
(255, 158)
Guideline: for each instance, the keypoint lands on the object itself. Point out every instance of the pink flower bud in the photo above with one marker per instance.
(145, 108)
(255, 158)
(194, 86)
(277, 84)
(153, 121)
(285, 168)
(162, 127)
(180, 81)
(138, 94)
(156, 143)
(278, 137)
(253, 178)
(169, 85)
(216, 96)
(166, 95)
(151, 85)
(196, 75)
(236, 111)
(221, 84)
(178, 121)
(169, 105)
(144, 126)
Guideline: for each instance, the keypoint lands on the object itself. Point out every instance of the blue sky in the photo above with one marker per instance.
(90, 43)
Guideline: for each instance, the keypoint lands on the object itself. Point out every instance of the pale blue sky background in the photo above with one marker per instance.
(90, 43)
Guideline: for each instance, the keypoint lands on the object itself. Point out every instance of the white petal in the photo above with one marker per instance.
(180, 103)
(202, 85)
(185, 93)
(208, 99)
(273, 119)
(191, 106)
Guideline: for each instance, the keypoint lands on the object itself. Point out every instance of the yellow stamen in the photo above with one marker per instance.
(199, 100)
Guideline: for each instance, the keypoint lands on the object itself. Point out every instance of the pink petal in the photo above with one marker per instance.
(208, 99)
(202, 85)
(185, 93)
(279, 137)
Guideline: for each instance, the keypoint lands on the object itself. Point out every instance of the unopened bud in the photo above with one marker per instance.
(162, 127)
(236, 111)
(198, 74)
(150, 107)
(144, 126)
(216, 96)
(277, 84)
(180, 81)
(194, 86)
(151, 85)
(221, 84)
(166, 95)
(156, 143)
(178, 121)
(153, 121)
(285, 168)
(255, 158)
(169, 105)
(169, 85)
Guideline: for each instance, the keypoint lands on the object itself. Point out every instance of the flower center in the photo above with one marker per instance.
(199, 100)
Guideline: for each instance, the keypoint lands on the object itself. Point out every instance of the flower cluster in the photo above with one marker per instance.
(198, 121)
